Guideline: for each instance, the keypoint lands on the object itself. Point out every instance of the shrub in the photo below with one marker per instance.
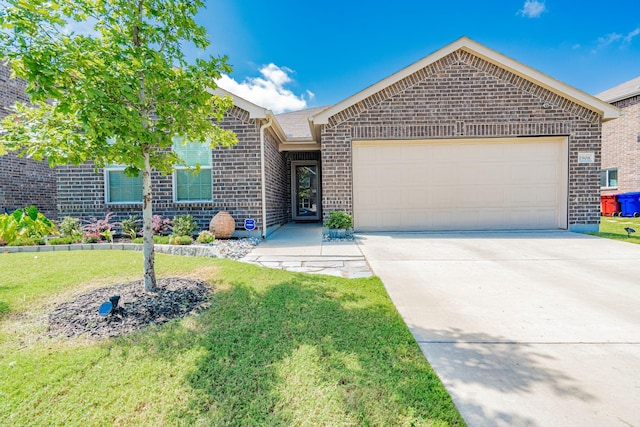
(184, 225)
(180, 240)
(91, 238)
(69, 226)
(206, 237)
(66, 240)
(27, 222)
(338, 219)
(131, 226)
(160, 225)
(158, 240)
(101, 227)
(27, 241)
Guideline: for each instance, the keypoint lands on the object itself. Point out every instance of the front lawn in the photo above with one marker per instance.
(274, 349)
(613, 227)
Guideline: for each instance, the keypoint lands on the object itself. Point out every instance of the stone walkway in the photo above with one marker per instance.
(299, 247)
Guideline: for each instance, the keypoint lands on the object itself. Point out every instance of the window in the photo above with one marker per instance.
(189, 186)
(609, 178)
(120, 188)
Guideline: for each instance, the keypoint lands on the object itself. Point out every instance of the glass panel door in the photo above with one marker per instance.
(305, 192)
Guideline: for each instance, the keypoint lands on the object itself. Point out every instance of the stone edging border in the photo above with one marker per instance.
(184, 250)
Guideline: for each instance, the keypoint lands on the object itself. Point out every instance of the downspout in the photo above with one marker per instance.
(263, 176)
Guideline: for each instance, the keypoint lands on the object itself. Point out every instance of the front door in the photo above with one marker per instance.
(305, 185)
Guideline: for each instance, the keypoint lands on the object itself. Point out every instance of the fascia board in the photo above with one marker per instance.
(620, 98)
(255, 111)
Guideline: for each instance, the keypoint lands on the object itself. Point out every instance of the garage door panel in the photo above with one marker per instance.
(454, 185)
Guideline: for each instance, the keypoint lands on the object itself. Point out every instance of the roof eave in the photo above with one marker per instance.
(621, 97)
(255, 111)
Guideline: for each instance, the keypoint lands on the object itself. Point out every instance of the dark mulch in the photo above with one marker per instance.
(175, 298)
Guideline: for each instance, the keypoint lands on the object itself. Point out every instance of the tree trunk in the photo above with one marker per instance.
(147, 234)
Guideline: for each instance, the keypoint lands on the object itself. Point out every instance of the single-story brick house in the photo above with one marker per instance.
(621, 140)
(23, 182)
(464, 139)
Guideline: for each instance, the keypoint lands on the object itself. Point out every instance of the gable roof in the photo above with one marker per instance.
(592, 103)
(298, 135)
(624, 90)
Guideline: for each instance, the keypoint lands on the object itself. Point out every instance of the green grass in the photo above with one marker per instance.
(613, 227)
(275, 349)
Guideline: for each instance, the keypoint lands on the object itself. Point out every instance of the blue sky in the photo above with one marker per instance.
(288, 55)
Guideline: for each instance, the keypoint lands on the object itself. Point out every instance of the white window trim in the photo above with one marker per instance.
(610, 187)
(107, 187)
(203, 169)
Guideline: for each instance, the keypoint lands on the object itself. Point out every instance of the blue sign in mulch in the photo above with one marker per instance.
(249, 224)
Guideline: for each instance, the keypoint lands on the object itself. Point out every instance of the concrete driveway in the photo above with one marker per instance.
(523, 328)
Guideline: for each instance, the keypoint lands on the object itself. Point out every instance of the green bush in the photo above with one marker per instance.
(338, 219)
(184, 225)
(206, 237)
(131, 226)
(158, 240)
(69, 226)
(25, 223)
(67, 240)
(161, 240)
(180, 240)
(27, 241)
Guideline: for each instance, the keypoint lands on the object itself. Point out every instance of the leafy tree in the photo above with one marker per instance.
(117, 93)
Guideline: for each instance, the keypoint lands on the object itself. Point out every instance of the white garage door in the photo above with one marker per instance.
(488, 184)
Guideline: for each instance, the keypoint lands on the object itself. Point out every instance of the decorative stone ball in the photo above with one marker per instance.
(222, 225)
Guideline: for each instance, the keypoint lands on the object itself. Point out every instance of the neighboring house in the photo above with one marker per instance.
(23, 182)
(464, 139)
(621, 140)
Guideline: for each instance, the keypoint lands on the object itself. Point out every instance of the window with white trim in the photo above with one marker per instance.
(120, 188)
(189, 185)
(609, 178)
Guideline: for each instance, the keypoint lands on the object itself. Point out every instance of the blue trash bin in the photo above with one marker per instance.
(629, 204)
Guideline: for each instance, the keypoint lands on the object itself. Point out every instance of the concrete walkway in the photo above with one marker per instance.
(299, 247)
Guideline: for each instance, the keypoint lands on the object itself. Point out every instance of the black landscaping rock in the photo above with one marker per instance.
(175, 298)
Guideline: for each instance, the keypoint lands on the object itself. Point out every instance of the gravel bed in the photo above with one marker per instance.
(234, 248)
(175, 298)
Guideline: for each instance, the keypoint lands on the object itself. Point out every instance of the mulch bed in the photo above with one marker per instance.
(176, 298)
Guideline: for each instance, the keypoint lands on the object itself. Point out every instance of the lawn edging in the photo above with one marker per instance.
(184, 250)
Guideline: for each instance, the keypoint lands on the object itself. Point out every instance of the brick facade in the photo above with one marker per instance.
(464, 96)
(278, 189)
(621, 146)
(23, 182)
(236, 183)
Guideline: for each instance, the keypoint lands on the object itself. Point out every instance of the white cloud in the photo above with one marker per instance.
(268, 91)
(631, 35)
(615, 39)
(532, 9)
(608, 39)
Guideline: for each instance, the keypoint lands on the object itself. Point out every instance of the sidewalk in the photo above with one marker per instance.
(299, 247)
